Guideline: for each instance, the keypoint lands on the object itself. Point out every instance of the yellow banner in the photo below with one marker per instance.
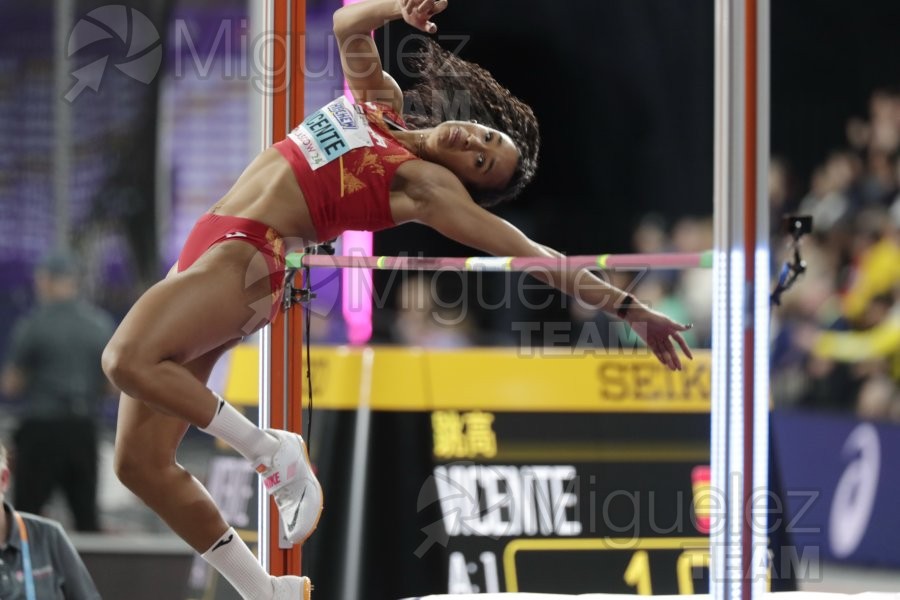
(409, 379)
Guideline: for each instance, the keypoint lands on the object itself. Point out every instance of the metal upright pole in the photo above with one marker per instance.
(741, 311)
(64, 16)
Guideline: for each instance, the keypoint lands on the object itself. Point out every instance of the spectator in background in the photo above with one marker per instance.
(658, 292)
(650, 236)
(781, 194)
(53, 568)
(421, 320)
(894, 198)
(883, 140)
(53, 363)
(687, 293)
(695, 234)
(829, 199)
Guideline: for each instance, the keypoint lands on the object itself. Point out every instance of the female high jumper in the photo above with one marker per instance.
(349, 166)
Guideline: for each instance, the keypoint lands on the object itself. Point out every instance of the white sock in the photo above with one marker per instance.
(231, 557)
(236, 430)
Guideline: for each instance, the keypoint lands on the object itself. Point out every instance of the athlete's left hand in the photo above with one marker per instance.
(418, 12)
(657, 330)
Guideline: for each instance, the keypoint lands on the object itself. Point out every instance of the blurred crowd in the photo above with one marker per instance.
(837, 335)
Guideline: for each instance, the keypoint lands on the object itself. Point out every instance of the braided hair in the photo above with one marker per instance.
(452, 88)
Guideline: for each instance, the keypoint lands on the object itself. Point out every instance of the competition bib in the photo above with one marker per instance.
(331, 132)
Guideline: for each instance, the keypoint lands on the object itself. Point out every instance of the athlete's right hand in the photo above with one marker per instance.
(418, 12)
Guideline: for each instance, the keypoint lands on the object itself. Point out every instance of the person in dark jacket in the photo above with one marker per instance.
(53, 364)
(37, 560)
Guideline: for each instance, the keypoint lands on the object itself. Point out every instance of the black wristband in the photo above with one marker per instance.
(624, 305)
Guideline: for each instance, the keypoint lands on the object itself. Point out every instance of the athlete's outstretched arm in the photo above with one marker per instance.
(445, 205)
(353, 26)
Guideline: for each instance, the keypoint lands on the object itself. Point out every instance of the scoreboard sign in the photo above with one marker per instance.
(486, 471)
(570, 502)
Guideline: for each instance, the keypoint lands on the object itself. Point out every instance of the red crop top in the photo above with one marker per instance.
(344, 159)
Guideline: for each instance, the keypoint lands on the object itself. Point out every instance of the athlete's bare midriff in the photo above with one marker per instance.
(267, 191)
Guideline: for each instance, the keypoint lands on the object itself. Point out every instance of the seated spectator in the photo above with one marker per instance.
(37, 560)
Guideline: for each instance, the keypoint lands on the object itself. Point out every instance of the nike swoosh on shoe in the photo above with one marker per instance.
(297, 511)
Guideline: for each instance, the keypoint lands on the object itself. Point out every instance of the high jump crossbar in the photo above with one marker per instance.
(671, 261)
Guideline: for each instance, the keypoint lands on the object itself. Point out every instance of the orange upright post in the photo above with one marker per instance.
(281, 346)
(286, 393)
(751, 179)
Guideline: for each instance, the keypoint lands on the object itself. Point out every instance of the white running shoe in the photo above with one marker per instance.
(291, 588)
(289, 478)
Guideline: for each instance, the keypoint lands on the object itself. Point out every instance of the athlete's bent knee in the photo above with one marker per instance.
(122, 365)
(131, 469)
